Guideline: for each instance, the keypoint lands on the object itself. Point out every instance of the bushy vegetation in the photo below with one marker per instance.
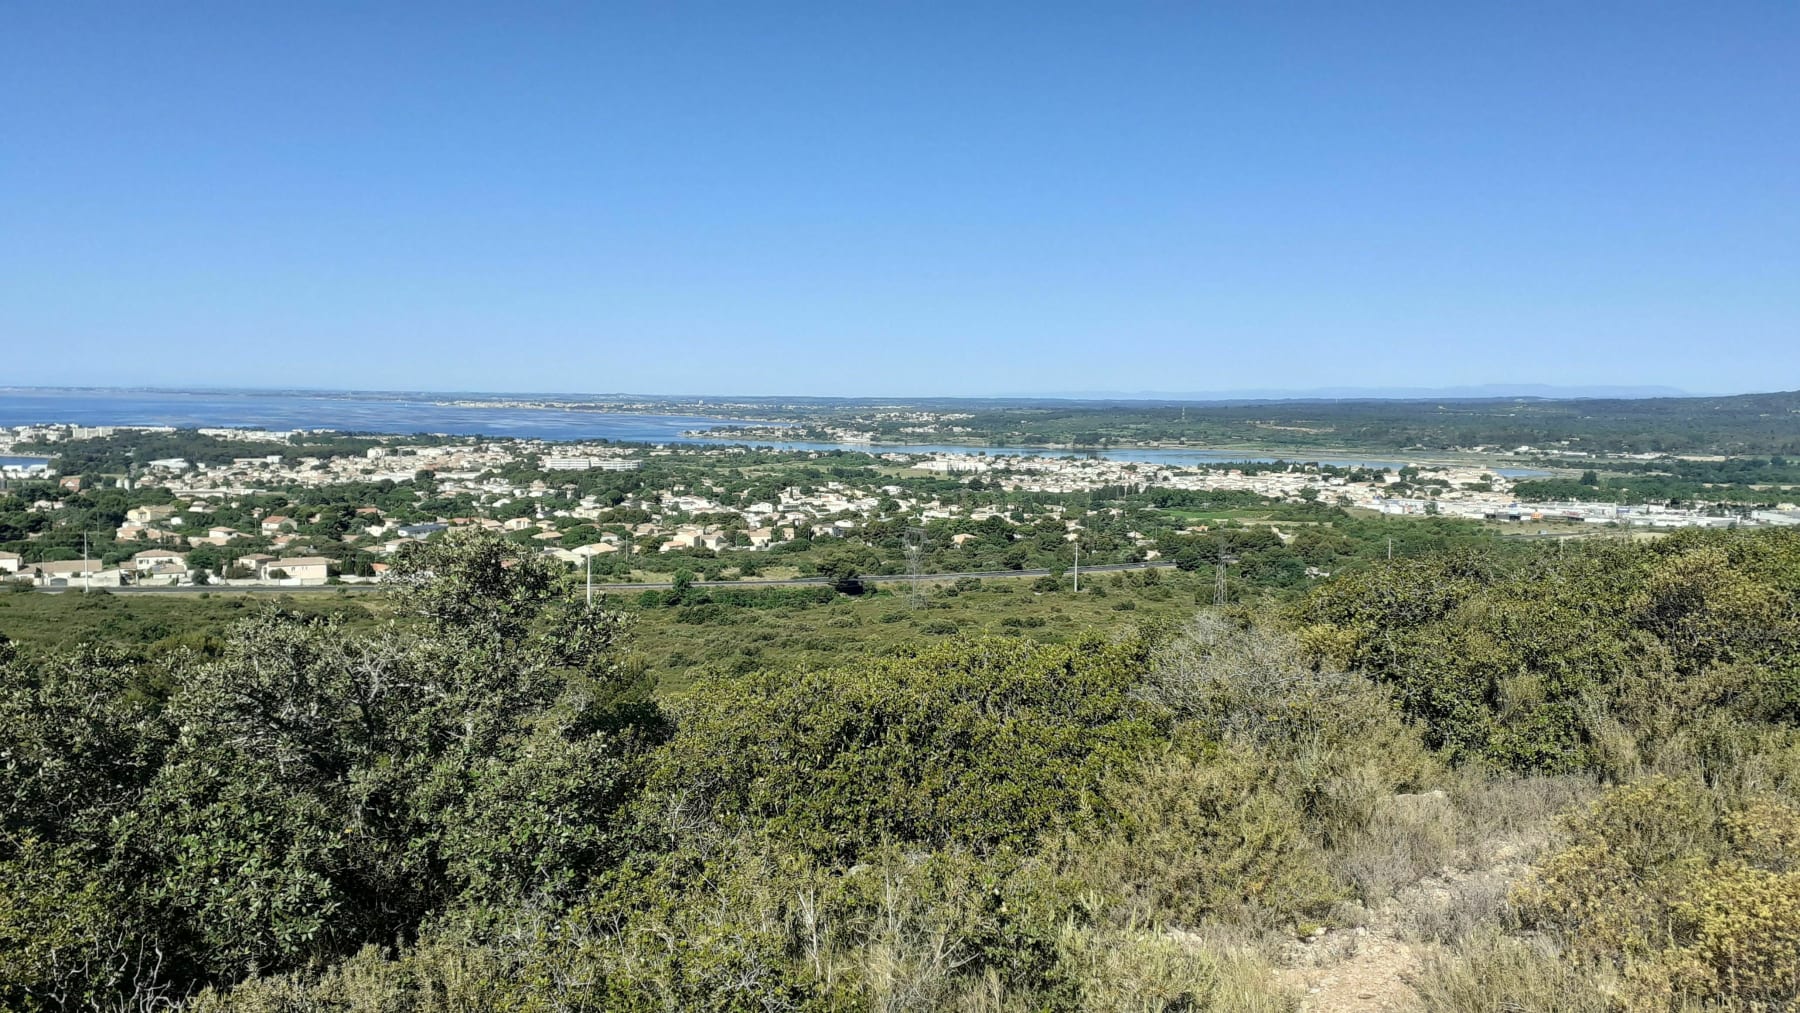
(1617, 658)
(466, 801)
(1694, 894)
(1745, 480)
(121, 452)
(1737, 424)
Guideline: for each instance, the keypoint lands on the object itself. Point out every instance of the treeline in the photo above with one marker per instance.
(474, 808)
(1775, 470)
(124, 452)
(1745, 424)
(684, 594)
(1745, 482)
(1642, 490)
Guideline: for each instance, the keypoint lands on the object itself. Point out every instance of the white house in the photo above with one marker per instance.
(151, 558)
(149, 513)
(164, 573)
(295, 570)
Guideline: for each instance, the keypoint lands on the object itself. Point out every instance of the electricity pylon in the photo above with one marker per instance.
(915, 564)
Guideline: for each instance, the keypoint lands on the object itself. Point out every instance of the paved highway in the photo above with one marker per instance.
(886, 578)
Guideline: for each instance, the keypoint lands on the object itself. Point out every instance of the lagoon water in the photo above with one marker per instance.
(425, 413)
(399, 413)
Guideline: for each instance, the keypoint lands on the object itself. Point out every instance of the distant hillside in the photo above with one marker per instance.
(1737, 424)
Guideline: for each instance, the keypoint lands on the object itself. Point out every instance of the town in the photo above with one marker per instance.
(279, 509)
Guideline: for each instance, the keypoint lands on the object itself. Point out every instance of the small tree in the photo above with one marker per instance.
(843, 573)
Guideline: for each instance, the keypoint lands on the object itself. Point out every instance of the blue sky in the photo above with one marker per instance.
(861, 198)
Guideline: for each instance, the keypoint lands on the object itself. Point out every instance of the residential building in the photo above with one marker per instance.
(157, 557)
(165, 573)
(78, 573)
(297, 570)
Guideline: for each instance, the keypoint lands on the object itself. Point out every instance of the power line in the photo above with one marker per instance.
(915, 563)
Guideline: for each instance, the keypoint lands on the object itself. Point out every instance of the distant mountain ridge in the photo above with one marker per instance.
(1465, 392)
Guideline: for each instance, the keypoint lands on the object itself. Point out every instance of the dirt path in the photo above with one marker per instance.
(1344, 972)
(1366, 969)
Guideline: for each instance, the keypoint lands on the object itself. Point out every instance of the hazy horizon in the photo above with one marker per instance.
(1460, 392)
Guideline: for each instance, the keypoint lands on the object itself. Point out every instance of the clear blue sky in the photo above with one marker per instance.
(861, 198)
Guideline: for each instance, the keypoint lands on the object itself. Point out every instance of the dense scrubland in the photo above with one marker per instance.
(1558, 778)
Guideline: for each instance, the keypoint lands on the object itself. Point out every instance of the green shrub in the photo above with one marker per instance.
(1609, 891)
(1257, 687)
(62, 941)
(309, 789)
(1207, 831)
(984, 743)
(1591, 662)
(1692, 901)
(1740, 936)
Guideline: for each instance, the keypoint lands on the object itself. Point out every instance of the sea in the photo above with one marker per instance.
(406, 414)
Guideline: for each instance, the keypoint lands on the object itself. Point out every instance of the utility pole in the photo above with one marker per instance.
(1390, 548)
(87, 575)
(590, 580)
(1219, 574)
(1078, 565)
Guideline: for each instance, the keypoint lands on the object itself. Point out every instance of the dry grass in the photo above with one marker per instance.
(1493, 973)
(1408, 837)
(1505, 818)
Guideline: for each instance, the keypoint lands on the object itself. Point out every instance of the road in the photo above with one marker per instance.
(886, 578)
